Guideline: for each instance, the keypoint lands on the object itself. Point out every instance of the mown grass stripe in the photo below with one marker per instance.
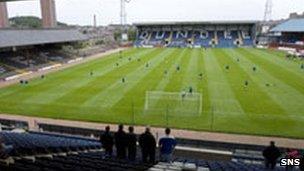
(164, 79)
(281, 112)
(178, 76)
(53, 93)
(99, 84)
(237, 75)
(223, 100)
(172, 68)
(279, 58)
(279, 91)
(191, 71)
(202, 84)
(290, 119)
(139, 79)
(135, 98)
(39, 86)
(116, 91)
(276, 70)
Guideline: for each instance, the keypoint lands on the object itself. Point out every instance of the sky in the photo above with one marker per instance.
(81, 12)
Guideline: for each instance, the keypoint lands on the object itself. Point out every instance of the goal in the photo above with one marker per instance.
(173, 103)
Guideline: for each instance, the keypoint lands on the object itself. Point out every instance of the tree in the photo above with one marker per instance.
(29, 22)
(117, 35)
(132, 34)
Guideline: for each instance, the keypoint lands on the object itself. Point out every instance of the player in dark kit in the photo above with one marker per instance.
(201, 76)
(254, 69)
(183, 94)
(123, 80)
(178, 68)
(190, 90)
(246, 83)
(302, 66)
(227, 67)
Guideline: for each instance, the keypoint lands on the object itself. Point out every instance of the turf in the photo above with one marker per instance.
(271, 104)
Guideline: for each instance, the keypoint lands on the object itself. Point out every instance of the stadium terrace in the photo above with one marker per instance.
(218, 34)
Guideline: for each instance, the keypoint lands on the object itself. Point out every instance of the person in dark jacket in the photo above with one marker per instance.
(147, 143)
(132, 139)
(121, 142)
(107, 142)
(271, 155)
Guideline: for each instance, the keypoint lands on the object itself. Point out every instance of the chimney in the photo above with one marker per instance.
(94, 21)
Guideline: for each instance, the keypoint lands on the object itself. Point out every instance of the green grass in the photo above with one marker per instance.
(272, 104)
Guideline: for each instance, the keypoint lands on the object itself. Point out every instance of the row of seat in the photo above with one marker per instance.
(205, 165)
(224, 39)
(26, 144)
(94, 161)
(90, 161)
(62, 152)
(221, 43)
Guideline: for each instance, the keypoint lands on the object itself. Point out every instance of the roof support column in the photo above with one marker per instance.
(4, 22)
(48, 13)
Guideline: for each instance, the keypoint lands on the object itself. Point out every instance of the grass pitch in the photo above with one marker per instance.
(248, 91)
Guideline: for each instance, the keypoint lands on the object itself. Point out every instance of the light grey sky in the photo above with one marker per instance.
(107, 11)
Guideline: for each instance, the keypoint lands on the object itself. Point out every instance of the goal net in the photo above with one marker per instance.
(173, 103)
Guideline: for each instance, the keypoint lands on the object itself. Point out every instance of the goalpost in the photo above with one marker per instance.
(176, 103)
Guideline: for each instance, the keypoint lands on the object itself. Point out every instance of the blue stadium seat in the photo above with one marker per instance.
(36, 143)
(197, 40)
(84, 157)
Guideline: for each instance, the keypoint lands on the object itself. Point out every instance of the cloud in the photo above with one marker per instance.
(107, 11)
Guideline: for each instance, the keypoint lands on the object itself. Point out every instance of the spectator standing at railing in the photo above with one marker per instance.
(147, 143)
(120, 138)
(132, 140)
(271, 155)
(107, 142)
(166, 145)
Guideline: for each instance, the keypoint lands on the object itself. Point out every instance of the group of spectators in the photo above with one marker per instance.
(126, 147)
(126, 144)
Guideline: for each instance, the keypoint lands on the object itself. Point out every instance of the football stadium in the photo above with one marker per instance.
(192, 95)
